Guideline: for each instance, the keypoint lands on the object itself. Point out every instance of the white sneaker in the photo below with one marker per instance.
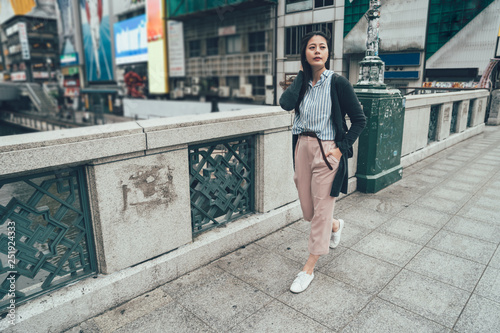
(301, 282)
(335, 240)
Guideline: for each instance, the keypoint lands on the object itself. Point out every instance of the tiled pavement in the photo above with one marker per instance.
(421, 255)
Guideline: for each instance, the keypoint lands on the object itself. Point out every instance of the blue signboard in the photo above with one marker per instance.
(131, 40)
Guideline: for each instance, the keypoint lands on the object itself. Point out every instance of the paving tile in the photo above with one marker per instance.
(383, 205)
(434, 172)
(425, 179)
(361, 271)
(352, 233)
(480, 315)
(450, 193)
(441, 204)
(328, 301)
(462, 186)
(495, 261)
(387, 248)
(429, 298)
(223, 300)
(411, 231)
(463, 246)
(261, 268)
(365, 217)
(170, 318)
(277, 317)
(401, 192)
(284, 235)
(478, 229)
(295, 248)
(425, 216)
(489, 286)
(380, 316)
(488, 214)
(132, 310)
(458, 272)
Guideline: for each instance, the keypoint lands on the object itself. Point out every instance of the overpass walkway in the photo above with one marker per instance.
(421, 255)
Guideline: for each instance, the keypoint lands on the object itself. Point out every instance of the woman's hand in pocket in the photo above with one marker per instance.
(336, 153)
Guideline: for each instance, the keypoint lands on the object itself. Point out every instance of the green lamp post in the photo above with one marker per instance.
(379, 150)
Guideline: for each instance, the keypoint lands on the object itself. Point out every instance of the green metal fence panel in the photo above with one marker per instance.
(431, 135)
(447, 17)
(454, 117)
(45, 234)
(221, 182)
(353, 12)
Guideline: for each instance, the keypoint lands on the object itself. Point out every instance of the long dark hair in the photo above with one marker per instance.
(306, 68)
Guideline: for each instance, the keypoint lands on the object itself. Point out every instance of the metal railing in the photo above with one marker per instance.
(221, 182)
(46, 238)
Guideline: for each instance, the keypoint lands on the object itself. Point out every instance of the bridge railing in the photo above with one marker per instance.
(130, 200)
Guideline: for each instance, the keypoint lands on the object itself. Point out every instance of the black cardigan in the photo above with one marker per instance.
(344, 101)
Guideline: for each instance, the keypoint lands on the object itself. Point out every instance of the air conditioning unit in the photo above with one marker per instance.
(196, 90)
(245, 91)
(224, 91)
(187, 90)
(195, 80)
(177, 93)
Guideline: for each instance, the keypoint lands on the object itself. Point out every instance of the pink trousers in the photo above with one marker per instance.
(314, 180)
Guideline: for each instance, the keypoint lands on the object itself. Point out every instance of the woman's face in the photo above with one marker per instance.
(317, 52)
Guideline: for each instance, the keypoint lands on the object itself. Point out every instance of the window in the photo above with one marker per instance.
(257, 41)
(293, 35)
(233, 82)
(194, 48)
(298, 5)
(258, 85)
(322, 3)
(233, 44)
(212, 46)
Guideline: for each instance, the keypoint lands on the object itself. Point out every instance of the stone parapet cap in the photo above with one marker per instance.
(165, 132)
(414, 101)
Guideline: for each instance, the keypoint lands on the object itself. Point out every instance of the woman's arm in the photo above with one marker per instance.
(349, 103)
(289, 98)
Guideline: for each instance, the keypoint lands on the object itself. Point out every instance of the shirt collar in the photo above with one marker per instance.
(324, 76)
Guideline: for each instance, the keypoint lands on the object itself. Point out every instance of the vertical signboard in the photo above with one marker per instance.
(157, 53)
(23, 40)
(176, 49)
(96, 40)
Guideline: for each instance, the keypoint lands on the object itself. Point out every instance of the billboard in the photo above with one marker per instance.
(131, 42)
(96, 40)
(157, 52)
(10, 8)
(176, 49)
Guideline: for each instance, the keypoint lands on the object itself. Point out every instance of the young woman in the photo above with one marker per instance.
(321, 145)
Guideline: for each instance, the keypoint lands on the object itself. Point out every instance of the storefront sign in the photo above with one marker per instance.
(226, 31)
(131, 42)
(69, 59)
(176, 49)
(71, 83)
(18, 76)
(23, 39)
(72, 92)
(40, 75)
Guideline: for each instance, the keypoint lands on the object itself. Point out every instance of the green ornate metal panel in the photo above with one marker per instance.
(221, 182)
(46, 238)
(433, 122)
(454, 117)
(353, 12)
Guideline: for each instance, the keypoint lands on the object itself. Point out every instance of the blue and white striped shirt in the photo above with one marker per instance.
(316, 108)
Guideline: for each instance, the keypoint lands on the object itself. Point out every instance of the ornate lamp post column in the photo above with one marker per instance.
(371, 69)
(380, 144)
